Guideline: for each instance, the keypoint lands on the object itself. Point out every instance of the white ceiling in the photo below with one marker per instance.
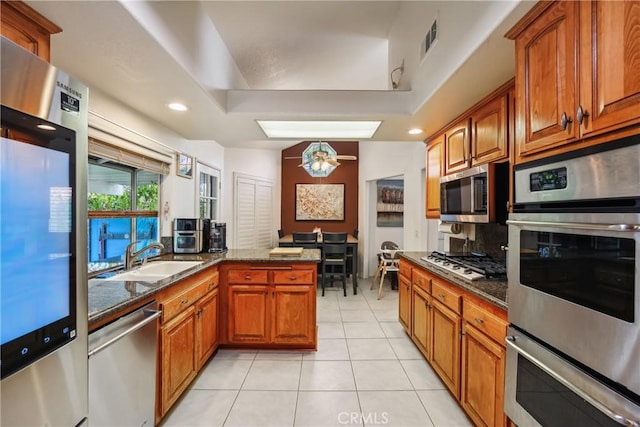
(233, 62)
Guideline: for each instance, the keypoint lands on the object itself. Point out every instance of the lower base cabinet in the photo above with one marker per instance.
(422, 321)
(271, 307)
(483, 378)
(461, 336)
(178, 356)
(188, 335)
(206, 327)
(445, 356)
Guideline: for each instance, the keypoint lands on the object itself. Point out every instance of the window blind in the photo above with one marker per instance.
(137, 159)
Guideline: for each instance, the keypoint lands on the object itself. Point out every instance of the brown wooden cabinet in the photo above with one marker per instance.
(271, 307)
(27, 28)
(188, 334)
(404, 299)
(457, 147)
(483, 364)
(422, 321)
(292, 311)
(610, 79)
(206, 327)
(489, 132)
(461, 336)
(178, 358)
(576, 74)
(434, 171)
(445, 355)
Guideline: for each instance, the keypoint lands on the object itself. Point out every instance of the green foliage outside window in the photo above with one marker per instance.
(147, 199)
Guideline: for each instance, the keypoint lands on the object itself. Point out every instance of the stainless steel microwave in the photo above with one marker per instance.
(478, 194)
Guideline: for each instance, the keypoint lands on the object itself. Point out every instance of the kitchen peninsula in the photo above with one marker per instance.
(243, 298)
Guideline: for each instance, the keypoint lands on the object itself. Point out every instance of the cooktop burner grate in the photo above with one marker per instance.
(472, 266)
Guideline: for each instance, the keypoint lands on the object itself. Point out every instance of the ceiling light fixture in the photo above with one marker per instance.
(415, 131)
(319, 129)
(176, 106)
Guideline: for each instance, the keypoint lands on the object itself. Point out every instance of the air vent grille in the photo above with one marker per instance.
(429, 39)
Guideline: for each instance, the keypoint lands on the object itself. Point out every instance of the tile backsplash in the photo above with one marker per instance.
(488, 239)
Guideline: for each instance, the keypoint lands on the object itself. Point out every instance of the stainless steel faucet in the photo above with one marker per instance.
(130, 256)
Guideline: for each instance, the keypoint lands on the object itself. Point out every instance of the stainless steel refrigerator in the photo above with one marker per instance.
(43, 232)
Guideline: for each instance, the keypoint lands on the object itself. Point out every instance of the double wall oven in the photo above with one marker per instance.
(573, 348)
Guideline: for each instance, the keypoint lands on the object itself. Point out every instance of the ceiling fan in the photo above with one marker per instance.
(320, 155)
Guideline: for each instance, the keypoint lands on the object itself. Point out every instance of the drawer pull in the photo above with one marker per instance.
(478, 320)
(184, 301)
(441, 296)
(293, 278)
(247, 277)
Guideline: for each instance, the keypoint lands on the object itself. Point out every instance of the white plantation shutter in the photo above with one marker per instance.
(253, 212)
(264, 220)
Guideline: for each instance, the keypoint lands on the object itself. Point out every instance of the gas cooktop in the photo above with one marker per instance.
(472, 266)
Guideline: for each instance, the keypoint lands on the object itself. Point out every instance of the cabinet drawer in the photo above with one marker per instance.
(178, 303)
(293, 277)
(248, 276)
(405, 269)
(445, 295)
(484, 321)
(422, 280)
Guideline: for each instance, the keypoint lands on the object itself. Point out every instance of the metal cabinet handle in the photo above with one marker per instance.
(441, 296)
(565, 121)
(479, 321)
(184, 301)
(293, 278)
(581, 114)
(247, 277)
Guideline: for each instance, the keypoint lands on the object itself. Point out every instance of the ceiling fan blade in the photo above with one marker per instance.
(293, 158)
(346, 157)
(332, 162)
(305, 163)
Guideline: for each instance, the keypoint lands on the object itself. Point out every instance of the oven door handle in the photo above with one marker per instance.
(578, 225)
(620, 419)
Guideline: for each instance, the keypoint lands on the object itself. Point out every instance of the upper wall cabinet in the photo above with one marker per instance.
(27, 28)
(489, 132)
(457, 144)
(577, 73)
(435, 157)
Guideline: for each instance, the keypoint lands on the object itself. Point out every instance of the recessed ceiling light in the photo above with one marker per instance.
(46, 127)
(176, 106)
(415, 131)
(319, 129)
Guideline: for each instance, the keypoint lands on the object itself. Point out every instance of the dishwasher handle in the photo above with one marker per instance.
(152, 315)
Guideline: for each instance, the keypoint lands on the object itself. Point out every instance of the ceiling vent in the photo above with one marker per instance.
(429, 39)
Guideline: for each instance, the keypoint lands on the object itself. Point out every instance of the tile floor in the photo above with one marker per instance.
(366, 372)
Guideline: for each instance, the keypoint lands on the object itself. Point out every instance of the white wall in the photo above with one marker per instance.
(124, 122)
(257, 163)
(379, 160)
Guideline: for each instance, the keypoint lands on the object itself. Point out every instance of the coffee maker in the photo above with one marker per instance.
(218, 237)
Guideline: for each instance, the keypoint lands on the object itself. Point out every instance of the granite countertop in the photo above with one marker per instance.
(492, 290)
(108, 297)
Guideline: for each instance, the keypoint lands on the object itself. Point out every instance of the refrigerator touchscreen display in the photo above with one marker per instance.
(37, 242)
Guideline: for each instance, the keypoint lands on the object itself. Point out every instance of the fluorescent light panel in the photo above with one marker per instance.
(319, 129)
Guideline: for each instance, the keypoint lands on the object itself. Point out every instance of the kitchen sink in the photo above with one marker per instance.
(154, 271)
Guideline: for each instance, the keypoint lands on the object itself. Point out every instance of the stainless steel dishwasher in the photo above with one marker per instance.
(122, 370)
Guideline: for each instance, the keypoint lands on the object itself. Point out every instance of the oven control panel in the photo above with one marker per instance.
(552, 179)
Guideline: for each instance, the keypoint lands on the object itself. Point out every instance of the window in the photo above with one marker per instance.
(123, 208)
(209, 191)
